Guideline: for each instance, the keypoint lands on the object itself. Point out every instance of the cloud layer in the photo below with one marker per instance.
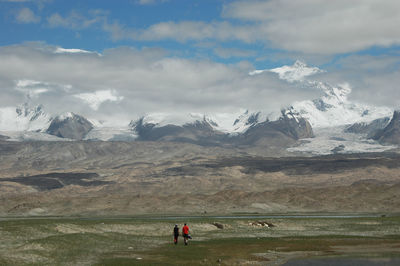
(357, 41)
(319, 26)
(306, 26)
(131, 82)
(26, 15)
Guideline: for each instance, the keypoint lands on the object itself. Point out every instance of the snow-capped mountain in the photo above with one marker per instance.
(163, 119)
(249, 129)
(238, 123)
(301, 120)
(229, 123)
(24, 118)
(391, 133)
(70, 125)
(297, 72)
(332, 114)
(226, 123)
(284, 131)
(371, 129)
(33, 123)
(333, 108)
(191, 128)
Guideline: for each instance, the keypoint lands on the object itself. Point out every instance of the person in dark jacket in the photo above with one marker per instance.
(176, 234)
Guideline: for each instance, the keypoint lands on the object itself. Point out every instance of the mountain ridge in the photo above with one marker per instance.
(248, 127)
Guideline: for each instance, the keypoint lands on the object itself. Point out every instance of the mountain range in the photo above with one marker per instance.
(284, 128)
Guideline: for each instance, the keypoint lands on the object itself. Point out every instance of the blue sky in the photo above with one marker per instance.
(82, 24)
(127, 14)
(220, 37)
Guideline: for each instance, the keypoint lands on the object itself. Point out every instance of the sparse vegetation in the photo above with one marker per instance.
(148, 241)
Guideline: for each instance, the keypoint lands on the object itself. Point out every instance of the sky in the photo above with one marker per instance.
(123, 59)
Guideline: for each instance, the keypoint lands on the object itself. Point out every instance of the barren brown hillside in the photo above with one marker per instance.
(118, 178)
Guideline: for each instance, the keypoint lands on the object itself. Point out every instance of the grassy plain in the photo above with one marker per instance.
(148, 240)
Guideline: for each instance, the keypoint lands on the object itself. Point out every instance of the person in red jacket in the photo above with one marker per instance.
(185, 234)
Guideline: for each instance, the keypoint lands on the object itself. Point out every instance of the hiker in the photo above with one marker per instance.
(176, 234)
(185, 234)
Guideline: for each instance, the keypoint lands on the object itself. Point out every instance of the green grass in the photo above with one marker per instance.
(233, 250)
(39, 242)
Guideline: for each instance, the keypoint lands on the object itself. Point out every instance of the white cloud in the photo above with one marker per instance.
(303, 26)
(33, 88)
(75, 20)
(374, 79)
(95, 99)
(319, 26)
(311, 27)
(185, 31)
(148, 80)
(26, 15)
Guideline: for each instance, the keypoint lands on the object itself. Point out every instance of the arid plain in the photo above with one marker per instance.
(119, 178)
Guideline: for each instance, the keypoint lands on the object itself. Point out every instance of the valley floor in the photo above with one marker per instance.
(241, 241)
(106, 203)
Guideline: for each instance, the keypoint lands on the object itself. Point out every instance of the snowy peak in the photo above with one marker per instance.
(334, 108)
(70, 125)
(164, 119)
(223, 122)
(297, 72)
(237, 123)
(24, 118)
(246, 120)
(256, 130)
(66, 116)
(27, 123)
(333, 94)
(31, 113)
(199, 131)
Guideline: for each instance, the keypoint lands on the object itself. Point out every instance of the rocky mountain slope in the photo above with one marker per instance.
(286, 130)
(70, 126)
(391, 133)
(385, 130)
(369, 129)
(282, 132)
